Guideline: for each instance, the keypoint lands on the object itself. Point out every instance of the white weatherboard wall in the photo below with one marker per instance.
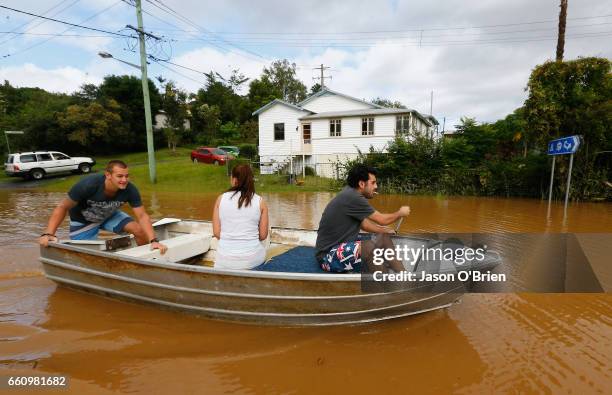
(330, 102)
(279, 113)
(351, 138)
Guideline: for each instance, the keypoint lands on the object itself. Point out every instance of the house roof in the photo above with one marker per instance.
(325, 91)
(279, 101)
(369, 111)
(432, 119)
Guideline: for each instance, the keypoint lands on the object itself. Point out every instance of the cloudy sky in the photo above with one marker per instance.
(475, 56)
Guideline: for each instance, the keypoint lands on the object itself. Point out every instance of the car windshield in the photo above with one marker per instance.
(10, 159)
(219, 151)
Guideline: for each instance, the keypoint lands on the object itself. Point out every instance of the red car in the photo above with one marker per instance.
(215, 156)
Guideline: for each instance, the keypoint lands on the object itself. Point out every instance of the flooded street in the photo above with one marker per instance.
(503, 342)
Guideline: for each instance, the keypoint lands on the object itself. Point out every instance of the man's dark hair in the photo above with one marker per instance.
(359, 173)
(115, 162)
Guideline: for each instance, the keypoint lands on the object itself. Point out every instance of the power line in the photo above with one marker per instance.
(184, 19)
(326, 39)
(405, 43)
(416, 29)
(177, 65)
(58, 34)
(177, 72)
(33, 19)
(40, 22)
(66, 23)
(70, 28)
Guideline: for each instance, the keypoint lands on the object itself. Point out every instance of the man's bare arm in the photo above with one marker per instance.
(57, 217)
(371, 227)
(386, 219)
(144, 221)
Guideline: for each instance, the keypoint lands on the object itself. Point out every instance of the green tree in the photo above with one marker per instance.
(249, 131)
(261, 92)
(205, 122)
(229, 132)
(174, 105)
(282, 75)
(126, 90)
(387, 103)
(315, 88)
(93, 125)
(573, 98)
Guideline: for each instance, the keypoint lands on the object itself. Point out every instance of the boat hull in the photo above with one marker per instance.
(288, 299)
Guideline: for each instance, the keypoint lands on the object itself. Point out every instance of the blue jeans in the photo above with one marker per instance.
(89, 231)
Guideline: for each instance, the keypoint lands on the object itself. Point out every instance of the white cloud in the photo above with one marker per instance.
(63, 79)
(485, 81)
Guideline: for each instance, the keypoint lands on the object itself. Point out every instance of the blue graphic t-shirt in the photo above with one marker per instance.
(93, 205)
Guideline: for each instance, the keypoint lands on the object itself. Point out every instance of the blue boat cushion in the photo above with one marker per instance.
(299, 259)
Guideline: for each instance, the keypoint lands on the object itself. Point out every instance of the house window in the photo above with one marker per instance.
(402, 124)
(335, 127)
(279, 131)
(306, 133)
(367, 126)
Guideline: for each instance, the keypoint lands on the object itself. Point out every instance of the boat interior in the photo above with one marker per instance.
(191, 242)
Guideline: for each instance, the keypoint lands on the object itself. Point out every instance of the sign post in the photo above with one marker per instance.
(562, 146)
(6, 133)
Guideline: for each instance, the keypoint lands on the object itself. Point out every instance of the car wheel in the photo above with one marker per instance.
(216, 163)
(84, 168)
(195, 160)
(37, 174)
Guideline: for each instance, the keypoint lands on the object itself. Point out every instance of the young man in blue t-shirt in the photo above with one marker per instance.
(94, 202)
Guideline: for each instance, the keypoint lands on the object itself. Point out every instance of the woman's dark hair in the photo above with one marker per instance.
(358, 173)
(245, 185)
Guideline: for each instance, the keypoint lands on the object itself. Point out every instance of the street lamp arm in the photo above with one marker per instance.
(106, 55)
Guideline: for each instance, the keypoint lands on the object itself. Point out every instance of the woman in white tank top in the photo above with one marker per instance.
(240, 222)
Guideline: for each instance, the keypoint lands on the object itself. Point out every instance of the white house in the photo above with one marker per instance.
(161, 121)
(329, 127)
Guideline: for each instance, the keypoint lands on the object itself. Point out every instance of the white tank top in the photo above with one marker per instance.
(239, 246)
(239, 223)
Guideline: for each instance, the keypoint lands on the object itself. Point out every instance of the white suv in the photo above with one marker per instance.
(37, 164)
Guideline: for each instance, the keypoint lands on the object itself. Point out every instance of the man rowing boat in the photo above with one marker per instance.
(339, 248)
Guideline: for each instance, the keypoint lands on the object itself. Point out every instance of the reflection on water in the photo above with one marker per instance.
(525, 343)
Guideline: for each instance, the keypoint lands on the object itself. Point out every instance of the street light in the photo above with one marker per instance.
(6, 133)
(147, 107)
(106, 55)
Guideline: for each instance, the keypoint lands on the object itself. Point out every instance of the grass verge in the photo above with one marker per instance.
(176, 173)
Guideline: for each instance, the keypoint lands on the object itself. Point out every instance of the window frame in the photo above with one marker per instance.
(275, 131)
(59, 156)
(309, 139)
(28, 155)
(335, 127)
(51, 157)
(367, 126)
(404, 123)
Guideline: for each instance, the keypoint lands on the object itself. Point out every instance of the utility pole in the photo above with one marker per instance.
(322, 77)
(145, 94)
(561, 36)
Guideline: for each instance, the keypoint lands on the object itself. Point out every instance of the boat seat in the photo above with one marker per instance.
(300, 259)
(179, 248)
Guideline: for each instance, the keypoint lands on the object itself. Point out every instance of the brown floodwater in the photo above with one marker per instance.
(495, 342)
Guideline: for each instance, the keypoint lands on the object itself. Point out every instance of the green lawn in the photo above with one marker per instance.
(176, 173)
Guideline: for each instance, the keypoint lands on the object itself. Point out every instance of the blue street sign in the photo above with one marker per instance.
(565, 145)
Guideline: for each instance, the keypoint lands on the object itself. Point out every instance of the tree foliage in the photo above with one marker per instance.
(574, 98)
(93, 124)
(282, 75)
